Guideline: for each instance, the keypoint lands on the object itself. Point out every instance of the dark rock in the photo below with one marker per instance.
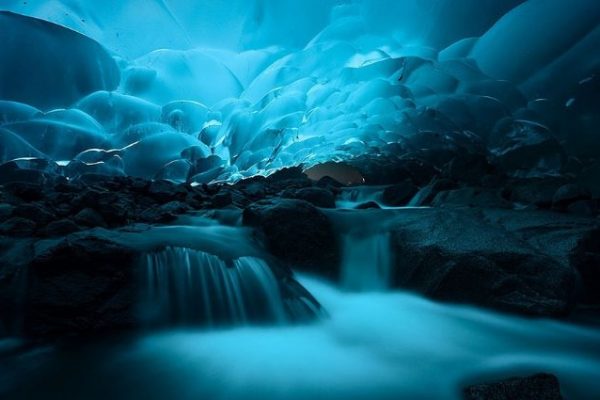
(165, 213)
(535, 387)
(6, 211)
(314, 195)
(18, 227)
(162, 191)
(296, 232)
(588, 208)
(23, 176)
(536, 191)
(222, 199)
(80, 285)
(60, 228)
(567, 194)
(400, 194)
(25, 190)
(458, 256)
(427, 193)
(585, 257)
(286, 174)
(329, 182)
(89, 217)
(470, 197)
(369, 205)
(469, 168)
(34, 212)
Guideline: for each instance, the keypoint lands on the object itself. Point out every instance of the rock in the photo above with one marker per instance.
(400, 194)
(34, 212)
(17, 226)
(535, 387)
(60, 228)
(222, 199)
(328, 182)
(585, 257)
(427, 193)
(165, 213)
(316, 196)
(80, 285)
(296, 232)
(369, 205)
(26, 191)
(469, 168)
(89, 217)
(588, 208)
(567, 194)
(162, 191)
(470, 197)
(457, 255)
(535, 191)
(6, 211)
(23, 176)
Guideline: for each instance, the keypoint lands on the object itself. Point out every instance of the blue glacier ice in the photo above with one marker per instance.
(267, 84)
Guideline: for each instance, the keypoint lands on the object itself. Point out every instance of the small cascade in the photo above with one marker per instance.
(366, 261)
(186, 287)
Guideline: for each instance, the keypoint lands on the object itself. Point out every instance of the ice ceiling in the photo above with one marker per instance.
(210, 90)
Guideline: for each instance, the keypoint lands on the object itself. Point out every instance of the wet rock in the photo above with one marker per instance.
(162, 191)
(60, 228)
(470, 197)
(23, 176)
(536, 387)
(296, 232)
(17, 226)
(585, 257)
(328, 182)
(587, 208)
(26, 191)
(570, 193)
(459, 256)
(400, 194)
(427, 193)
(222, 199)
(90, 218)
(534, 191)
(80, 285)
(6, 211)
(317, 196)
(165, 213)
(369, 205)
(469, 168)
(35, 212)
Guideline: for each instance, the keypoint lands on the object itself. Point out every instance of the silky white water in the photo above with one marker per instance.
(189, 287)
(373, 346)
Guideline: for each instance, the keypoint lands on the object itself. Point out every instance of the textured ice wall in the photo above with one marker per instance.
(213, 91)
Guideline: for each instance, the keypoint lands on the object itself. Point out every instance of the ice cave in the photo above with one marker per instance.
(300, 199)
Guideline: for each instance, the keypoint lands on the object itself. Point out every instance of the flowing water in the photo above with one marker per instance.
(190, 287)
(373, 346)
(374, 343)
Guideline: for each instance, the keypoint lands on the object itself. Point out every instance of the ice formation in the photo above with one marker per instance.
(196, 91)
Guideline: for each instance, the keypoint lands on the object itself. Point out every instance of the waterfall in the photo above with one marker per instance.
(366, 261)
(189, 287)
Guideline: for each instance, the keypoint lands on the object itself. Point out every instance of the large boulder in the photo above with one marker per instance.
(80, 285)
(296, 232)
(457, 255)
